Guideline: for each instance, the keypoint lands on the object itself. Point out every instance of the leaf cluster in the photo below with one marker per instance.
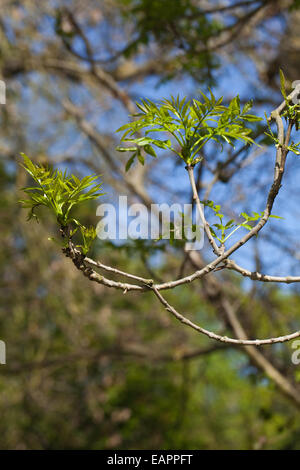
(60, 193)
(292, 111)
(295, 148)
(223, 227)
(188, 126)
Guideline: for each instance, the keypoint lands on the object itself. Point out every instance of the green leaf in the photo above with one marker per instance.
(130, 162)
(247, 226)
(141, 159)
(126, 149)
(212, 232)
(282, 84)
(251, 118)
(150, 150)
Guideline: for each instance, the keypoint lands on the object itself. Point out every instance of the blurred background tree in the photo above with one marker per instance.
(91, 368)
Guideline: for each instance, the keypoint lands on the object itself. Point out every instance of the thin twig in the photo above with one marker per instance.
(222, 339)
